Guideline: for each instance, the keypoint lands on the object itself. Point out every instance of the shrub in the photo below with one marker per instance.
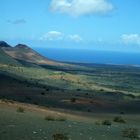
(61, 119)
(102, 90)
(98, 123)
(78, 89)
(42, 93)
(20, 110)
(73, 100)
(119, 119)
(106, 122)
(27, 98)
(131, 133)
(131, 96)
(7, 101)
(35, 103)
(60, 137)
(89, 110)
(47, 89)
(122, 112)
(49, 118)
(4, 100)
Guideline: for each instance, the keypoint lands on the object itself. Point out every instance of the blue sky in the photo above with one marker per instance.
(78, 24)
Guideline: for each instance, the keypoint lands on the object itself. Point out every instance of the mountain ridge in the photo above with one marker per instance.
(23, 52)
(4, 44)
(6, 59)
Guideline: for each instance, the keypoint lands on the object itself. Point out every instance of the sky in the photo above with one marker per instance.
(78, 24)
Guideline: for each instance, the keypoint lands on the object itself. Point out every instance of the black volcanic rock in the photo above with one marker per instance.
(4, 44)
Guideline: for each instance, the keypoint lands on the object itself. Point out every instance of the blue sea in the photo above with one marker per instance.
(91, 56)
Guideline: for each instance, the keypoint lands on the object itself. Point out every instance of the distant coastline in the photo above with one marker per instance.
(92, 56)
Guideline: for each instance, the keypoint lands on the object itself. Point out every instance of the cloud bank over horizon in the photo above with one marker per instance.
(57, 36)
(131, 39)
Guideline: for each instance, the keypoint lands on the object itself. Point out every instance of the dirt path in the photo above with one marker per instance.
(44, 111)
(70, 115)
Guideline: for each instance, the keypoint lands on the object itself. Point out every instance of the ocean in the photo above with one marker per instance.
(91, 56)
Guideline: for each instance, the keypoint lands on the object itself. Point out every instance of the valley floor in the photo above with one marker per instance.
(34, 123)
(75, 102)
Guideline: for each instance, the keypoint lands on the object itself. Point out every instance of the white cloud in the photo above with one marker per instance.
(81, 7)
(75, 38)
(56, 35)
(131, 39)
(52, 35)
